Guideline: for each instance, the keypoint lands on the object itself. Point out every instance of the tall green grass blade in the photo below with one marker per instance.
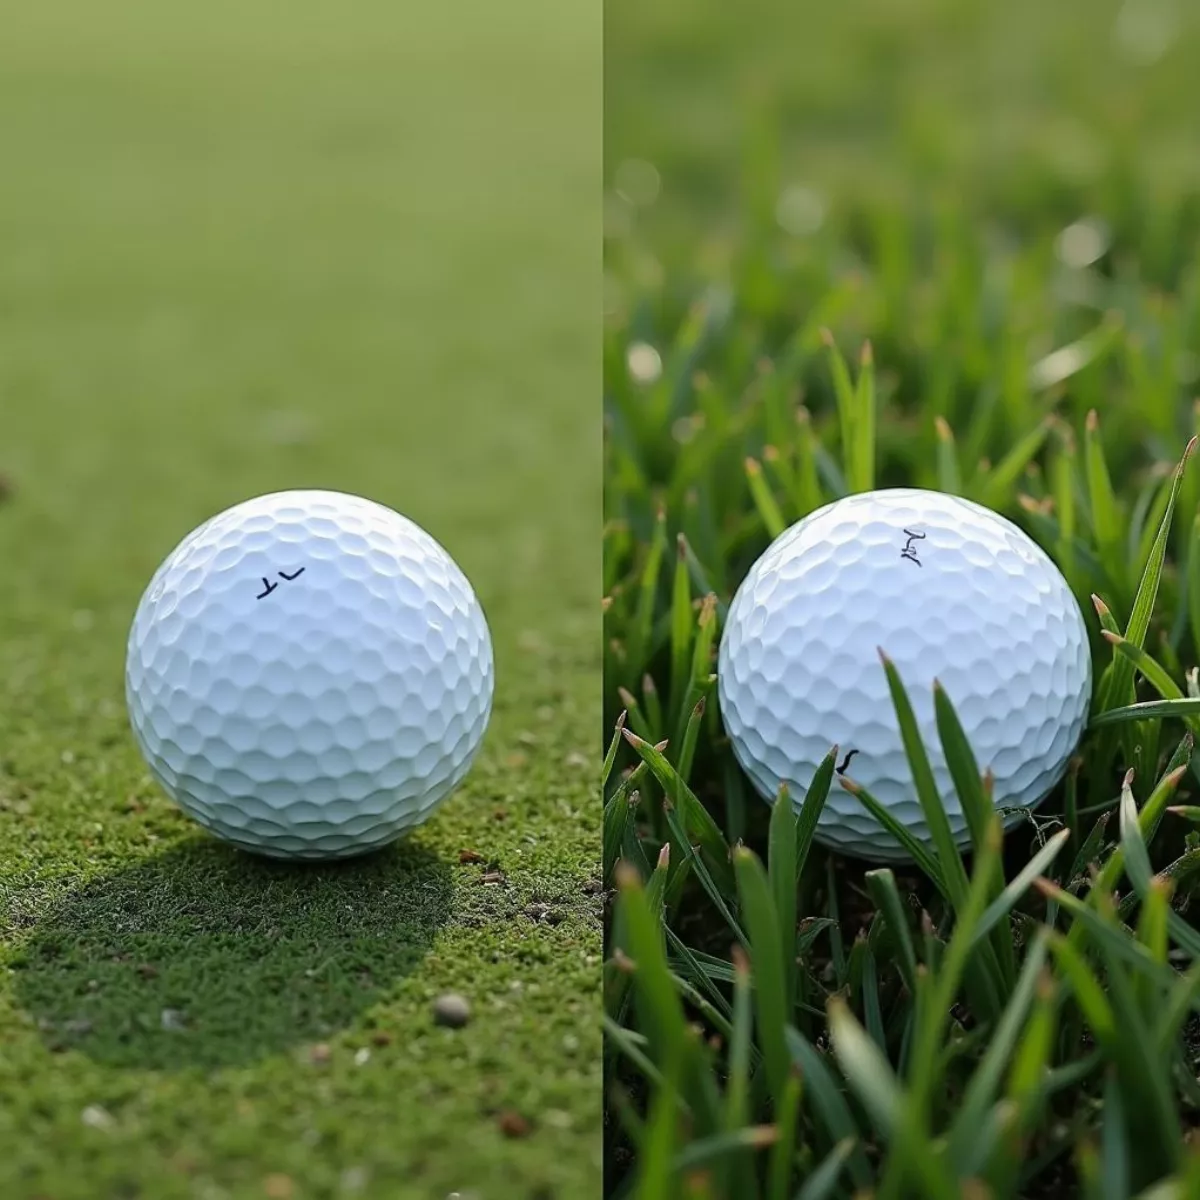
(689, 858)
(696, 819)
(638, 644)
(885, 893)
(827, 1103)
(780, 1167)
(617, 812)
(762, 927)
(953, 871)
(1136, 857)
(1148, 710)
(810, 810)
(1153, 1118)
(767, 507)
(1004, 904)
(1002, 478)
(1114, 1140)
(822, 1183)
(949, 475)
(879, 1091)
(809, 496)
(847, 406)
(867, 1070)
(1121, 689)
(653, 709)
(1107, 523)
(861, 459)
(659, 1010)
(964, 769)
(687, 744)
(610, 756)
(781, 872)
(1062, 474)
(987, 1079)
(683, 623)
(917, 851)
(1193, 582)
(737, 1086)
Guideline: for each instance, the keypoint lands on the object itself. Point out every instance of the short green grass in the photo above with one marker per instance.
(248, 248)
(935, 244)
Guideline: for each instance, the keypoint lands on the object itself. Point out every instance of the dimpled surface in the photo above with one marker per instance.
(309, 674)
(949, 591)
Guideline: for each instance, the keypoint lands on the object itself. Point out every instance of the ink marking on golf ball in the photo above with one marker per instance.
(334, 718)
(988, 616)
(910, 551)
(269, 587)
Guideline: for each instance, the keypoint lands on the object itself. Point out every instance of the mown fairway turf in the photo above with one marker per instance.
(1001, 203)
(248, 248)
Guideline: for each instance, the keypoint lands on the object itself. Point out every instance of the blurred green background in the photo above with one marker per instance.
(246, 246)
(1015, 110)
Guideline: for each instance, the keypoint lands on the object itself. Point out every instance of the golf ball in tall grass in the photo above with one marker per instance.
(950, 591)
(309, 675)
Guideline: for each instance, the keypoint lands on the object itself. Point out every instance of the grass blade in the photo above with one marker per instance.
(683, 625)
(696, 818)
(1156, 709)
(762, 927)
(953, 871)
(1107, 524)
(916, 850)
(882, 886)
(781, 872)
(949, 475)
(610, 756)
(1121, 688)
(737, 1086)
(867, 1071)
(822, 1182)
(810, 810)
(828, 1104)
(860, 464)
(768, 509)
(1003, 905)
(779, 1170)
(987, 1078)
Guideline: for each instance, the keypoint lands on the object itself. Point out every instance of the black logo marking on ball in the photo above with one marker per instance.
(910, 547)
(269, 587)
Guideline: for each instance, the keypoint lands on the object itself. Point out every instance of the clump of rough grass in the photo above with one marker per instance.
(1018, 1021)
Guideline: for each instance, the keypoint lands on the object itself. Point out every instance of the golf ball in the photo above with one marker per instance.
(950, 591)
(308, 675)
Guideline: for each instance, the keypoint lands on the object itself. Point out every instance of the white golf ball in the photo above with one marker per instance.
(308, 675)
(950, 591)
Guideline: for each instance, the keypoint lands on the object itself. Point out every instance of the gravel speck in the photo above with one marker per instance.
(95, 1117)
(451, 1010)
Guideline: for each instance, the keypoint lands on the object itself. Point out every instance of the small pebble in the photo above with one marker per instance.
(512, 1124)
(451, 1010)
(95, 1117)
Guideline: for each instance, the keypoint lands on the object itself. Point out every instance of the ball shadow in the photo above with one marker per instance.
(206, 957)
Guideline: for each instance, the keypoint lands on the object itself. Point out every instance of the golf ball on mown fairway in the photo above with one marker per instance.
(309, 674)
(949, 591)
